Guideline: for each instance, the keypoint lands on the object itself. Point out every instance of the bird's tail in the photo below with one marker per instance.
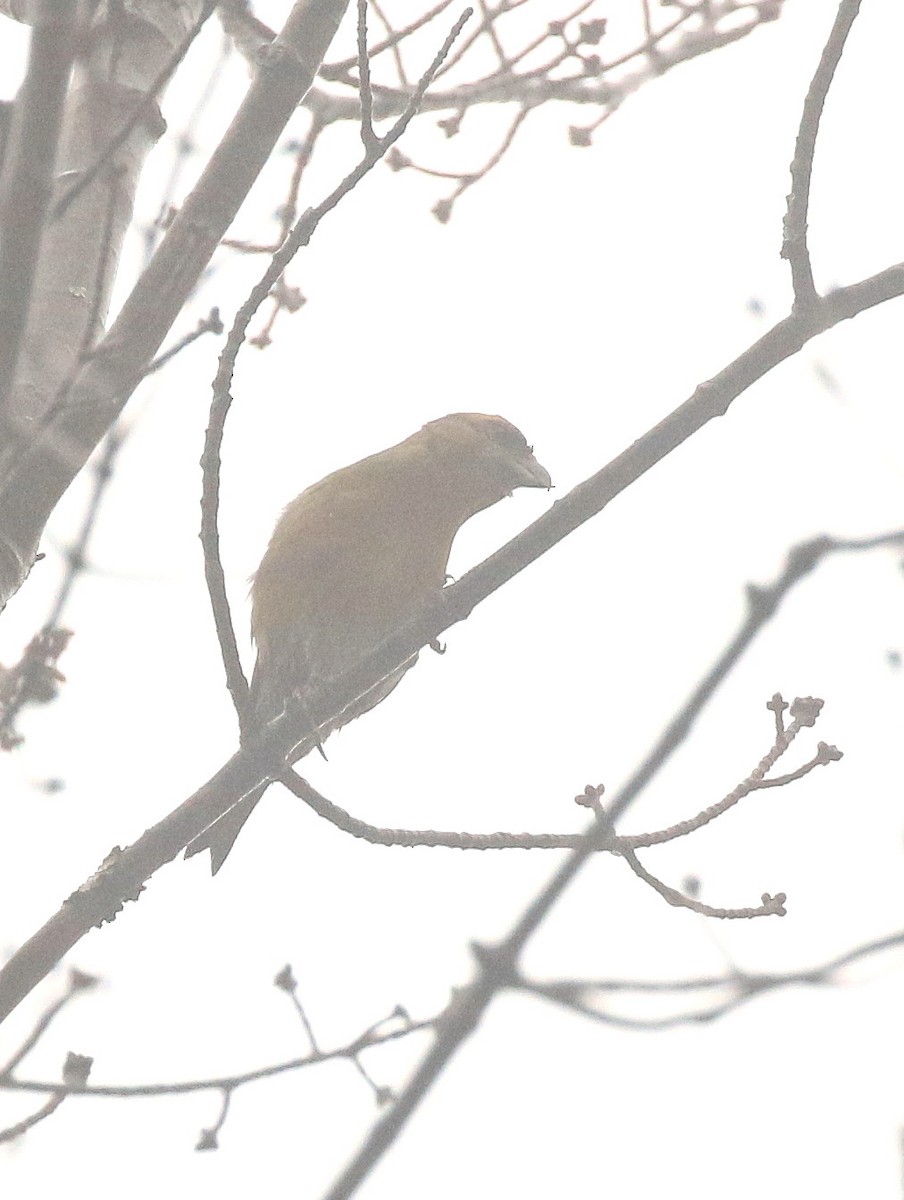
(219, 837)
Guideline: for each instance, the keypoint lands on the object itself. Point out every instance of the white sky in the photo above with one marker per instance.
(582, 294)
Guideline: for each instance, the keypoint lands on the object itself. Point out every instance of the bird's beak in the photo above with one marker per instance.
(531, 474)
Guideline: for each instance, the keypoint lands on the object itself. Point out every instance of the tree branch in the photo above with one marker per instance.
(45, 467)
(122, 877)
(794, 245)
(27, 181)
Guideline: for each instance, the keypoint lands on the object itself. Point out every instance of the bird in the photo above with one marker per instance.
(357, 555)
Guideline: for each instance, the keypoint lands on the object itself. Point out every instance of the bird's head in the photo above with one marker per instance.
(489, 451)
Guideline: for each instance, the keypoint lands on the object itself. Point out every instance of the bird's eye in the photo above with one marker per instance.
(530, 449)
(505, 434)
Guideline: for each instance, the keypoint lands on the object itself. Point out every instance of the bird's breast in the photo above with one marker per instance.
(344, 578)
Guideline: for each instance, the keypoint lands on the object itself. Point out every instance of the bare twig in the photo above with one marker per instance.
(497, 969)
(442, 210)
(337, 70)
(762, 604)
(805, 712)
(742, 986)
(209, 324)
(11, 1132)
(122, 877)
(377, 1035)
(794, 244)
(288, 210)
(393, 39)
(78, 982)
(286, 982)
(367, 98)
(489, 24)
(474, 36)
(209, 1138)
(32, 680)
(772, 906)
(222, 398)
(36, 673)
(574, 994)
(616, 844)
(537, 86)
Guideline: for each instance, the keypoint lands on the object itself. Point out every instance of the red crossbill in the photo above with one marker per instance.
(357, 555)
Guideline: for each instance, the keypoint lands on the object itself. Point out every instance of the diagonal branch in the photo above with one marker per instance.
(42, 472)
(259, 762)
(497, 965)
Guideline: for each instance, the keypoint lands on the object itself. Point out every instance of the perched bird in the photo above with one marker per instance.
(357, 555)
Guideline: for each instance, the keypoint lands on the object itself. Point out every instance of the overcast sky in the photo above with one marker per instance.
(583, 294)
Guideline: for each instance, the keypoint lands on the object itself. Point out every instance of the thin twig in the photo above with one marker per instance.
(497, 966)
(222, 398)
(442, 210)
(121, 877)
(208, 1139)
(762, 604)
(11, 1132)
(570, 993)
(375, 1036)
(78, 981)
(492, 33)
(573, 994)
(794, 244)
(772, 906)
(336, 70)
(394, 46)
(288, 210)
(209, 324)
(36, 659)
(753, 782)
(477, 33)
(367, 97)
